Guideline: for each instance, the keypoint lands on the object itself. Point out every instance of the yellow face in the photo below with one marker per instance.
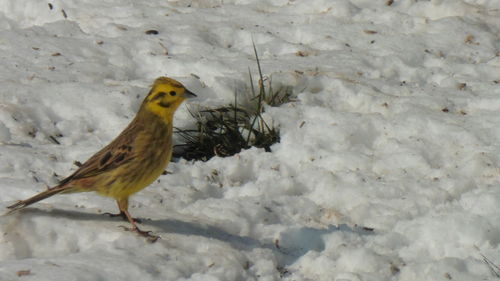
(165, 96)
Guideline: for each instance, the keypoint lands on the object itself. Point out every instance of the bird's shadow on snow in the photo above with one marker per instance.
(290, 245)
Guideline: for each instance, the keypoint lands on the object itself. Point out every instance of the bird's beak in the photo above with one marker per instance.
(189, 95)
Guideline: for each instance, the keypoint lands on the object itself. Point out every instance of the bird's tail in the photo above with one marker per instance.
(40, 196)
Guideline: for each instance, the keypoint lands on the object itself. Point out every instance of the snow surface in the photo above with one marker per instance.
(388, 166)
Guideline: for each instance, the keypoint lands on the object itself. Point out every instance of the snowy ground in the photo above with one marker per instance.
(388, 166)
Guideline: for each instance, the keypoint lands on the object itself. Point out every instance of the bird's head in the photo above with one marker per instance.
(165, 97)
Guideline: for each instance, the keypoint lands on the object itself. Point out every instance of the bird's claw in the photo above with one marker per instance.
(147, 234)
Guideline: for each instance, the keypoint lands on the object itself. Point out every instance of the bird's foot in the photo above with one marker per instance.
(147, 234)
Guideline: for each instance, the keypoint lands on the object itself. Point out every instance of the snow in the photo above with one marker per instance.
(387, 169)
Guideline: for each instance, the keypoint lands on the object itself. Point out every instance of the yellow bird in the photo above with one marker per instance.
(134, 159)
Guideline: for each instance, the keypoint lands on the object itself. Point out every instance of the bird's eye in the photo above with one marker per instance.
(173, 93)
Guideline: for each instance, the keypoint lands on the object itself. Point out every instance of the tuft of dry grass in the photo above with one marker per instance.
(226, 130)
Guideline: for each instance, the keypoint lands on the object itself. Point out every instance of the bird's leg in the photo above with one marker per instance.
(120, 214)
(123, 206)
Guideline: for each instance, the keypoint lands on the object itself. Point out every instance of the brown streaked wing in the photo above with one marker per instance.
(118, 152)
